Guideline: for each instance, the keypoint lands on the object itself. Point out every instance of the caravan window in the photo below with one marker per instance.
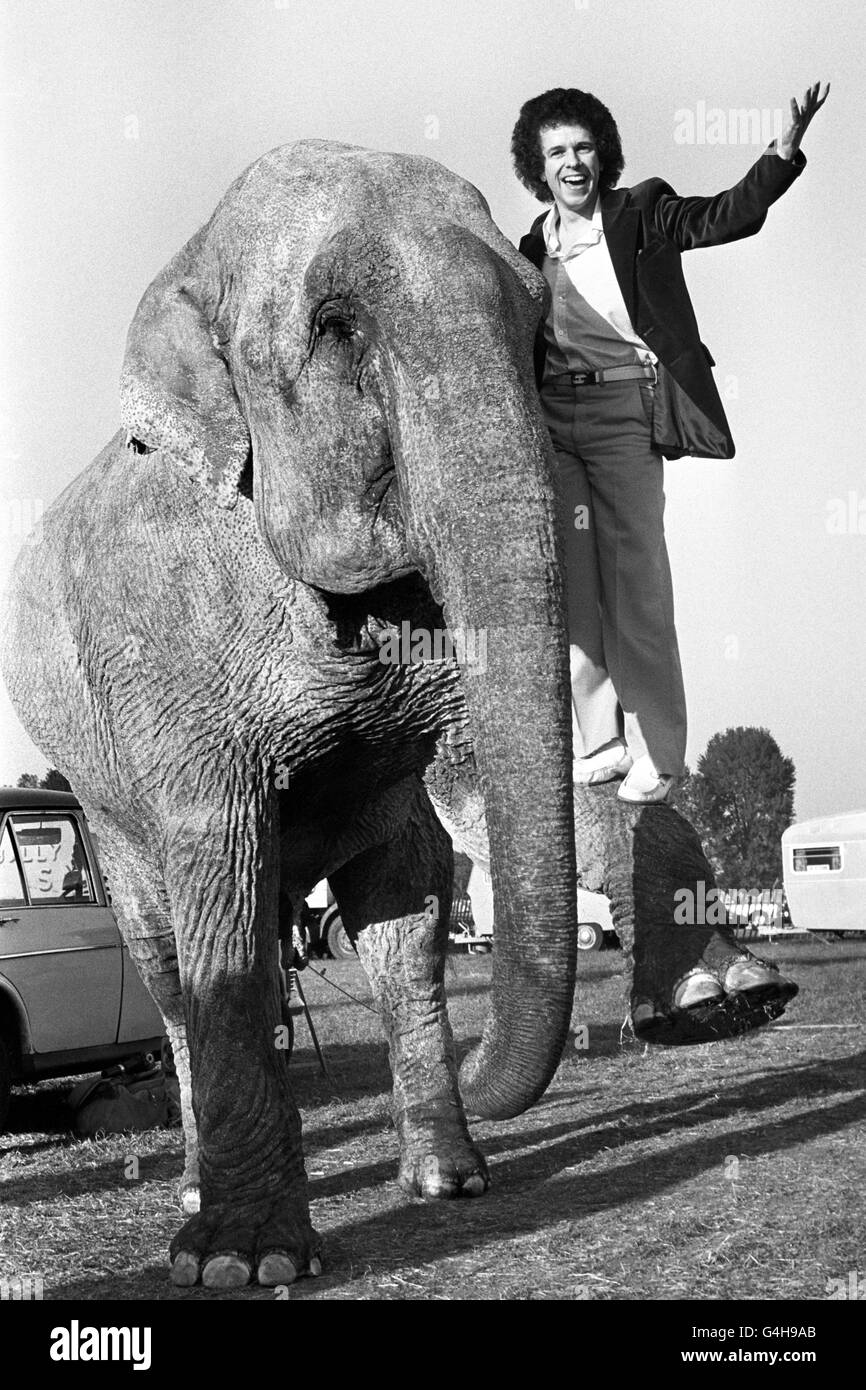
(817, 857)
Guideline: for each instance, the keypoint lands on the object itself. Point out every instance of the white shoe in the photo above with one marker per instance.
(644, 784)
(607, 763)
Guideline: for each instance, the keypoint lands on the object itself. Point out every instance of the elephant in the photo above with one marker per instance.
(331, 438)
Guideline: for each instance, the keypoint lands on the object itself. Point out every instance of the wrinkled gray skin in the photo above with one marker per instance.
(330, 427)
(193, 644)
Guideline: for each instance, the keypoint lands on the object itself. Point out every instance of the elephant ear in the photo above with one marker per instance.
(176, 391)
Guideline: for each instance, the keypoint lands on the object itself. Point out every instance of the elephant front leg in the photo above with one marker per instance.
(253, 1223)
(395, 900)
(143, 911)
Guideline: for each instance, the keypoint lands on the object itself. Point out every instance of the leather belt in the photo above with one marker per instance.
(639, 371)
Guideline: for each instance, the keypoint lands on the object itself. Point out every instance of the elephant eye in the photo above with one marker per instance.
(334, 316)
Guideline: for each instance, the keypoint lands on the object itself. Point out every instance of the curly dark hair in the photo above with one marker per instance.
(564, 106)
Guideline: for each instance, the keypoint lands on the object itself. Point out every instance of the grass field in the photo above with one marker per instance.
(735, 1170)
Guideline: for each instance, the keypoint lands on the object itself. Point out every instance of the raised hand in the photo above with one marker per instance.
(789, 141)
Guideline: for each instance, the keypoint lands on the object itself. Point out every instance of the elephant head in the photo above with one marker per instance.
(352, 330)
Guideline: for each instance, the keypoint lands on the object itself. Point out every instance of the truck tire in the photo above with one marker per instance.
(590, 936)
(335, 936)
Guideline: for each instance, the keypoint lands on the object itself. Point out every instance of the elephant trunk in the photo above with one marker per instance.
(482, 524)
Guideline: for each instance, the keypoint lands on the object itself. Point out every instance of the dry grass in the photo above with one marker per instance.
(730, 1171)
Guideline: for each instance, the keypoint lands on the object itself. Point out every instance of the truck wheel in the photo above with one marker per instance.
(5, 1084)
(590, 936)
(336, 937)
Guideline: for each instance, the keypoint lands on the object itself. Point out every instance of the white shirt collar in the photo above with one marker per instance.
(590, 237)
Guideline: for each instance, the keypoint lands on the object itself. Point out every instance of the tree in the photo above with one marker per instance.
(53, 781)
(740, 798)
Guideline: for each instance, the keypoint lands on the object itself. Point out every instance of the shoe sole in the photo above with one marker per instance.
(604, 774)
(645, 799)
(600, 778)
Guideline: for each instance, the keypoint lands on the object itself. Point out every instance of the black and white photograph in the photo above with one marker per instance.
(432, 664)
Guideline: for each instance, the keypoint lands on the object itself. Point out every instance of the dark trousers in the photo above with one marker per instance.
(626, 678)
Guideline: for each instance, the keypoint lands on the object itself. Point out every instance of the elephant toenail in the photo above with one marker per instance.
(439, 1191)
(748, 976)
(644, 1015)
(315, 1266)
(276, 1267)
(699, 988)
(185, 1270)
(475, 1186)
(226, 1272)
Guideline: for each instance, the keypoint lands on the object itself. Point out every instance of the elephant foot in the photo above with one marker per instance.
(228, 1247)
(438, 1165)
(706, 1008)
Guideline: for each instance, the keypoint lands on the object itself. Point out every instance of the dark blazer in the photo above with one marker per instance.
(647, 228)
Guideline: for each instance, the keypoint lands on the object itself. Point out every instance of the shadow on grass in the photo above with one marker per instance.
(361, 1071)
(555, 1147)
(534, 1185)
(534, 1191)
(344, 982)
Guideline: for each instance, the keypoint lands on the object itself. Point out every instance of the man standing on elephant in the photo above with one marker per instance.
(625, 381)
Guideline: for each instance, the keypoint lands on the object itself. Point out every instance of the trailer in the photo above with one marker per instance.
(824, 865)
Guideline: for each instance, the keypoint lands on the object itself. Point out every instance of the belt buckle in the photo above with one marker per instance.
(654, 380)
(582, 378)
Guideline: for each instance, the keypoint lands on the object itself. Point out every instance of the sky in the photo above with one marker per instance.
(124, 121)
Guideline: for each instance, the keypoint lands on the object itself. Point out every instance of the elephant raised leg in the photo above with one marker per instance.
(649, 862)
(221, 874)
(395, 900)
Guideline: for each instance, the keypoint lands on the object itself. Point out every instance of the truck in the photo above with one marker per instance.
(71, 999)
(471, 921)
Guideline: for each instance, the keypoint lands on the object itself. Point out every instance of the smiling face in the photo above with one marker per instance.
(571, 168)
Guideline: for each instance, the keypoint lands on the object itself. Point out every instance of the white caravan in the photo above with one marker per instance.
(824, 863)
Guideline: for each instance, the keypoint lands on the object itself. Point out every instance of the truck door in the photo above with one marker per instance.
(59, 945)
